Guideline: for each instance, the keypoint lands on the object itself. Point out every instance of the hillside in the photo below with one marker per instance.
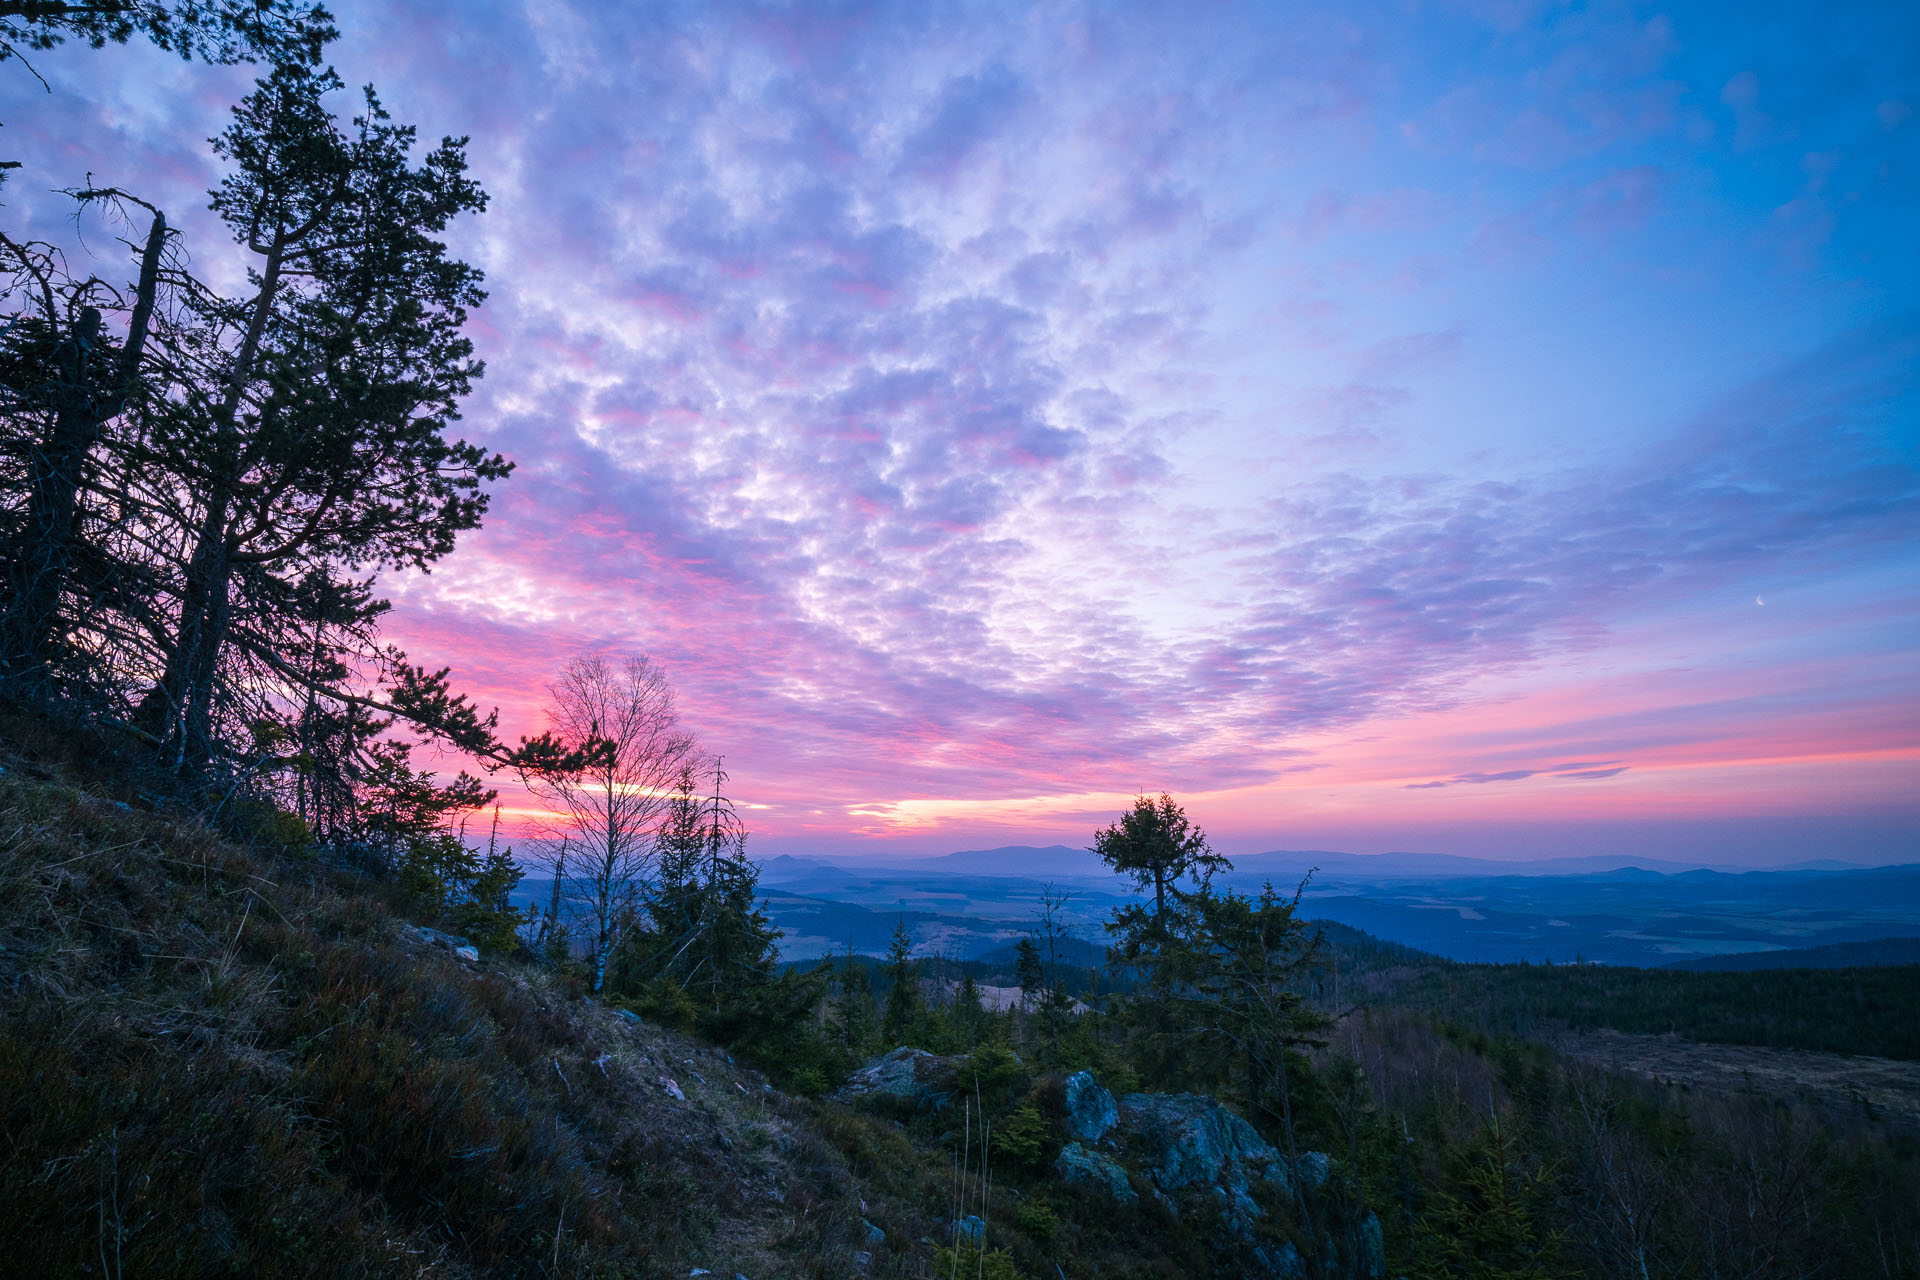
(1877, 953)
(223, 1061)
(222, 1055)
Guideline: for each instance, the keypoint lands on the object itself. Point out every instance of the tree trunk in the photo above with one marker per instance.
(181, 703)
(51, 506)
(178, 709)
(26, 633)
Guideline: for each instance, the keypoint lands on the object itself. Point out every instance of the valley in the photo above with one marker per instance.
(969, 904)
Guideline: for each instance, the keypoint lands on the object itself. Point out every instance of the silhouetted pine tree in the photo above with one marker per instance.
(853, 1013)
(1162, 939)
(906, 1008)
(195, 488)
(1487, 1223)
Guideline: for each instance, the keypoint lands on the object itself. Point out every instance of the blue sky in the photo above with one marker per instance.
(987, 411)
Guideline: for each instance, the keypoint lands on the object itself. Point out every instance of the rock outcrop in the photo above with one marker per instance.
(1183, 1140)
(906, 1079)
(1079, 1167)
(1090, 1109)
(1190, 1153)
(461, 948)
(1182, 1151)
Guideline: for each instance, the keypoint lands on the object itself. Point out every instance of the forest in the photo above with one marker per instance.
(204, 475)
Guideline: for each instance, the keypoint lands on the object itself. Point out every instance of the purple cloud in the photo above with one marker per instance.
(1015, 405)
(1514, 775)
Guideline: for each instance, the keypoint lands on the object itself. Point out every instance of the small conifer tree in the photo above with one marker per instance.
(905, 1008)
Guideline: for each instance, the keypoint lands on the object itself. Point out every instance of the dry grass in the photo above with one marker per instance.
(224, 1059)
(217, 1062)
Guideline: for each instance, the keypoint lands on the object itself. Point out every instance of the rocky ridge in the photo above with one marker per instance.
(1184, 1154)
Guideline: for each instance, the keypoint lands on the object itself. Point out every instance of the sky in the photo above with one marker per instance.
(1487, 428)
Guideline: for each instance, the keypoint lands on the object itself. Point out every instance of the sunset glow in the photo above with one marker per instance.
(1478, 428)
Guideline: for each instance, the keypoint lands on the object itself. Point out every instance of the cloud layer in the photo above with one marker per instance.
(986, 412)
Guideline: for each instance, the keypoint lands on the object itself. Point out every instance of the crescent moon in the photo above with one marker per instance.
(1758, 600)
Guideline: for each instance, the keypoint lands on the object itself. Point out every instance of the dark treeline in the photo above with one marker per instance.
(1834, 955)
(1861, 1010)
(1870, 1009)
(1855, 1011)
(1497, 1156)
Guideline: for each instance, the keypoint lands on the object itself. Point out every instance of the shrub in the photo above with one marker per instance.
(1025, 1139)
(1037, 1218)
(996, 1074)
(968, 1260)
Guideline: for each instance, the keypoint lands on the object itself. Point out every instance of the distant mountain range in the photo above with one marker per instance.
(1062, 861)
(1595, 909)
(1647, 912)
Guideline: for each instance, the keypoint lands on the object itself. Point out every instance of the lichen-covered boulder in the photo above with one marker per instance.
(448, 942)
(906, 1079)
(1373, 1249)
(1090, 1109)
(1283, 1263)
(1079, 1167)
(1184, 1140)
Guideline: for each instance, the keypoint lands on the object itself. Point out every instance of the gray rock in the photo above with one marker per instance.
(1314, 1168)
(1090, 1108)
(970, 1229)
(875, 1236)
(445, 941)
(1079, 1167)
(469, 953)
(1184, 1139)
(1373, 1249)
(672, 1089)
(1284, 1263)
(1276, 1173)
(1239, 1207)
(905, 1077)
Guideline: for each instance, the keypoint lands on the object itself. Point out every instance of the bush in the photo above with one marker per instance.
(1025, 1139)
(968, 1260)
(996, 1074)
(1037, 1218)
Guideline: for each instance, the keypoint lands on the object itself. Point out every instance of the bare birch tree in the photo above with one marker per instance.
(616, 734)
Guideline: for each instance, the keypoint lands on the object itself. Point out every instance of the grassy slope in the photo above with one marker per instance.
(216, 1062)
